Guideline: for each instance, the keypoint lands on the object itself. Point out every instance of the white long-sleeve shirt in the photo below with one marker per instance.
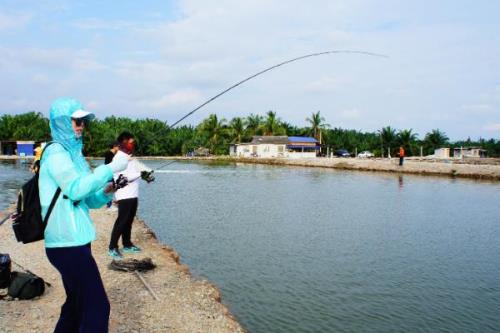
(133, 174)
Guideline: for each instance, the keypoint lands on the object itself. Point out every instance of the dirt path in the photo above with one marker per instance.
(185, 304)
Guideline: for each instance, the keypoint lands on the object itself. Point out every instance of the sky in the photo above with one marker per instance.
(161, 59)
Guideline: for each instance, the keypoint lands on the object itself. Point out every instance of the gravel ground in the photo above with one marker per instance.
(185, 304)
(488, 169)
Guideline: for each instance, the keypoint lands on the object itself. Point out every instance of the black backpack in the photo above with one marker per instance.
(28, 224)
(26, 285)
(5, 269)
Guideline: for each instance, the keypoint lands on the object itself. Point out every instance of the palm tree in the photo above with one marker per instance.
(317, 125)
(407, 139)
(290, 129)
(26, 126)
(213, 128)
(272, 125)
(254, 122)
(387, 138)
(434, 139)
(237, 129)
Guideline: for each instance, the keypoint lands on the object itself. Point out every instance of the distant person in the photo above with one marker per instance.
(36, 161)
(127, 199)
(108, 157)
(401, 155)
(70, 229)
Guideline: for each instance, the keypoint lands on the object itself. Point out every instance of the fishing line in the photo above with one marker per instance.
(264, 71)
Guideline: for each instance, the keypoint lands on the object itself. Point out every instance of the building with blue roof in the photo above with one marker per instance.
(277, 146)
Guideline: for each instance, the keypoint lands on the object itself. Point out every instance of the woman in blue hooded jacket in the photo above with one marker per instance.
(70, 230)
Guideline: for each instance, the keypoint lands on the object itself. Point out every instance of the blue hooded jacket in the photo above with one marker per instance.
(63, 165)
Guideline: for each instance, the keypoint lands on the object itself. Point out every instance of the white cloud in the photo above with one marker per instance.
(144, 71)
(477, 109)
(14, 21)
(322, 85)
(497, 92)
(492, 127)
(100, 24)
(49, 59)
(40, 79)
(437, 62)
(350, 114)
(186, 97)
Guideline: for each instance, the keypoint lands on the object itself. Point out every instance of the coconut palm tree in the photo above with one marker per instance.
(272, 125)
(407, 139)
(253, 122)
(213, 128)
(317, 125)
(387, 138)
(434, 139)
(291, 130)
(237, 129)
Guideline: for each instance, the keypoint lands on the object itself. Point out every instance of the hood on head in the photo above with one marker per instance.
(60, 122)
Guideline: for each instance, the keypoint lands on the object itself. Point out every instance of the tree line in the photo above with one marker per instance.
(155, 138)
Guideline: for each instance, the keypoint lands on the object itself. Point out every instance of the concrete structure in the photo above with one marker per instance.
(276, 146)
(442, 153)
(464, 152)
(262, 146)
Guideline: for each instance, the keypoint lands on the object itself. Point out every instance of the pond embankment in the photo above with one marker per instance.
(185, 304)
(488, 169)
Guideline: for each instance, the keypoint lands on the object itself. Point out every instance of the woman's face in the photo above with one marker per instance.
(78, 126)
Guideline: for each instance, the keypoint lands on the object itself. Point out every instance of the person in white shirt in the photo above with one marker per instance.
(127, 198)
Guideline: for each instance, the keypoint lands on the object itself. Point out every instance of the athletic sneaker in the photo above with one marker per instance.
(131, 249)
(115, 254)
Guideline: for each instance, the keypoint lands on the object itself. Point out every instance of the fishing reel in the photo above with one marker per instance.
(148, 176)
(120, 182)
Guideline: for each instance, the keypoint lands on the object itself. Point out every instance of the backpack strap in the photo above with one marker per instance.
(52, 204)
(56, 195)
(43, 151)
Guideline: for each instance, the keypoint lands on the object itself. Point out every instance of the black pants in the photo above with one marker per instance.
(401, 160)
(87, 307)
(127, 208)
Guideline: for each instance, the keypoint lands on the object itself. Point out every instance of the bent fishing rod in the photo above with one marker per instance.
(264, 71)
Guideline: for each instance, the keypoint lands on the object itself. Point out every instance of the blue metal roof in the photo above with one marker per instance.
(301, 146)
(302, 139)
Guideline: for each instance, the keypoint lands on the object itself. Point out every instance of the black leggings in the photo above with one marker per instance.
(127, 208)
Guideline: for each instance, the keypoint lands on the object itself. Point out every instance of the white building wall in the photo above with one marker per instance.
(442, 153)
(311, 154)
(262, 150)
(244, 151)
(271, 150)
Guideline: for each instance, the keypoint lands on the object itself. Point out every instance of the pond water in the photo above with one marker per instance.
(313, 250)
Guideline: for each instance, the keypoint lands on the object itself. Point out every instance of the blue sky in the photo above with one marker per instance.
(163, 58)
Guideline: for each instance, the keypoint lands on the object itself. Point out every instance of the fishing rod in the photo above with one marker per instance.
(262, 72)
(5, 218)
